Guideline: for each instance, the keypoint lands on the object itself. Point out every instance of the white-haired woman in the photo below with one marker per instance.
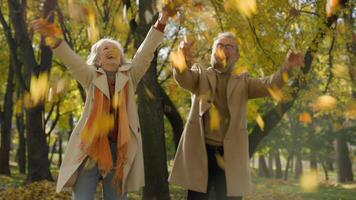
(108, 132)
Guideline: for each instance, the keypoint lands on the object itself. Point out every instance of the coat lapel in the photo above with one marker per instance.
(231, 85)
(208, 93)
(121, 80)
(101, 82)
(121, 77)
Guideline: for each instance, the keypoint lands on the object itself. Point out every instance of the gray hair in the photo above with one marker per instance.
(94, 51)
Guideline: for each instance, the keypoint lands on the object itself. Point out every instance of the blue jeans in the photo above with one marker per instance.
(85, 187)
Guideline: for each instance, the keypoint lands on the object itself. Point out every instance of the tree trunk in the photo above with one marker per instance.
(172, 114)
(343, 162)
(325, 169)
(6, 123)
(262, 167)
(60, 150)
(150, 101)
(21, 151)
(270, 163)
(298, 167)
(286, 171)
(278, 165)
(313, 162)
(37, 148)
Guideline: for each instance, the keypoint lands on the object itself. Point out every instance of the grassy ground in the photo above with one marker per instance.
(12, 188)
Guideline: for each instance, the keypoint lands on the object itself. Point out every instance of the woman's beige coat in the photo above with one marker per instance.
(190, 169)
(86, 75)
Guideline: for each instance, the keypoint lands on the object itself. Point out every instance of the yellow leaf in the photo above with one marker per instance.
(332, 6)
(220, 56)
(247, 7)
(350, 108)
(220, 161)
(240, 70)
(340, 71)
(260, 122)
(178, 60)
(285, 77)
(93, 31)
(214, 118)
(305, 118)
(324, 102)
(39, 88)
(116, 100)
(275, 93)
(309, 181)
(149, 93)
(61, 86)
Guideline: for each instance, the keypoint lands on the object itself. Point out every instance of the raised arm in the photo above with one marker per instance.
(82, 72)
(257, 87)
(145, 53)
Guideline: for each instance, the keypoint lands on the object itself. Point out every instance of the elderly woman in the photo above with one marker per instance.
(108, 132)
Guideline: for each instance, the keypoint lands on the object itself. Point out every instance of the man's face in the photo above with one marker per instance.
(226, 52)
(109, 55)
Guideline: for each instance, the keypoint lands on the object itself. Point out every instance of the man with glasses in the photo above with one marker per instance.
(213, 151)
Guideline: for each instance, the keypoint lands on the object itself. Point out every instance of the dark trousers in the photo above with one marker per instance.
(216, 179)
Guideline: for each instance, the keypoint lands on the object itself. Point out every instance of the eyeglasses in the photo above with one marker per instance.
(228, 47)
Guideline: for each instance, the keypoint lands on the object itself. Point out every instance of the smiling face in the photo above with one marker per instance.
(109, 56)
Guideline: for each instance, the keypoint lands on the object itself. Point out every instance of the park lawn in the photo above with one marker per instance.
(264, 189)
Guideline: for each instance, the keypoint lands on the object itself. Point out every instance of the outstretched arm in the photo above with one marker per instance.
(258, 87)
(77, 66)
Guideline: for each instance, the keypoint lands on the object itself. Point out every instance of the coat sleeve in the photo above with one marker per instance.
(257, 87)
(81, 71)
(144, 55)
(188, 78)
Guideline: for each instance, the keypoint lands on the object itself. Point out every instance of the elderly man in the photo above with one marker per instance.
(216, 156)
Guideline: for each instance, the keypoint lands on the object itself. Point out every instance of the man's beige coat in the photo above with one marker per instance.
(190, 169)
(87, 77)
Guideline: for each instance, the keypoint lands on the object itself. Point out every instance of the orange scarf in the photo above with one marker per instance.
(94, 136)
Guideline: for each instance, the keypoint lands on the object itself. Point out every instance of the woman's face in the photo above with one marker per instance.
(109, 56)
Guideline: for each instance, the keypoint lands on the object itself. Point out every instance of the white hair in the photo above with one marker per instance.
(94, 51)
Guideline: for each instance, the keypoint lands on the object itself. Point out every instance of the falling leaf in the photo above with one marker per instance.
(214, 118)
(324, 102)
(350, 108)
(340, 71)
(61, 85)
(240, 70)
(246, 8)
(275, 93)
(50, 95)
(309, 181)
(285, 77)
(220, 56)
(93, 31)
(149, 93)
(305, 118)
(260, 122)
(178, 60)
(220, 161)
(332, 6)
(39, 88)
(116, 100)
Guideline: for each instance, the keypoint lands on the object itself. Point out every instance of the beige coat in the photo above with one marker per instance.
(190, 169)
(86, 75)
